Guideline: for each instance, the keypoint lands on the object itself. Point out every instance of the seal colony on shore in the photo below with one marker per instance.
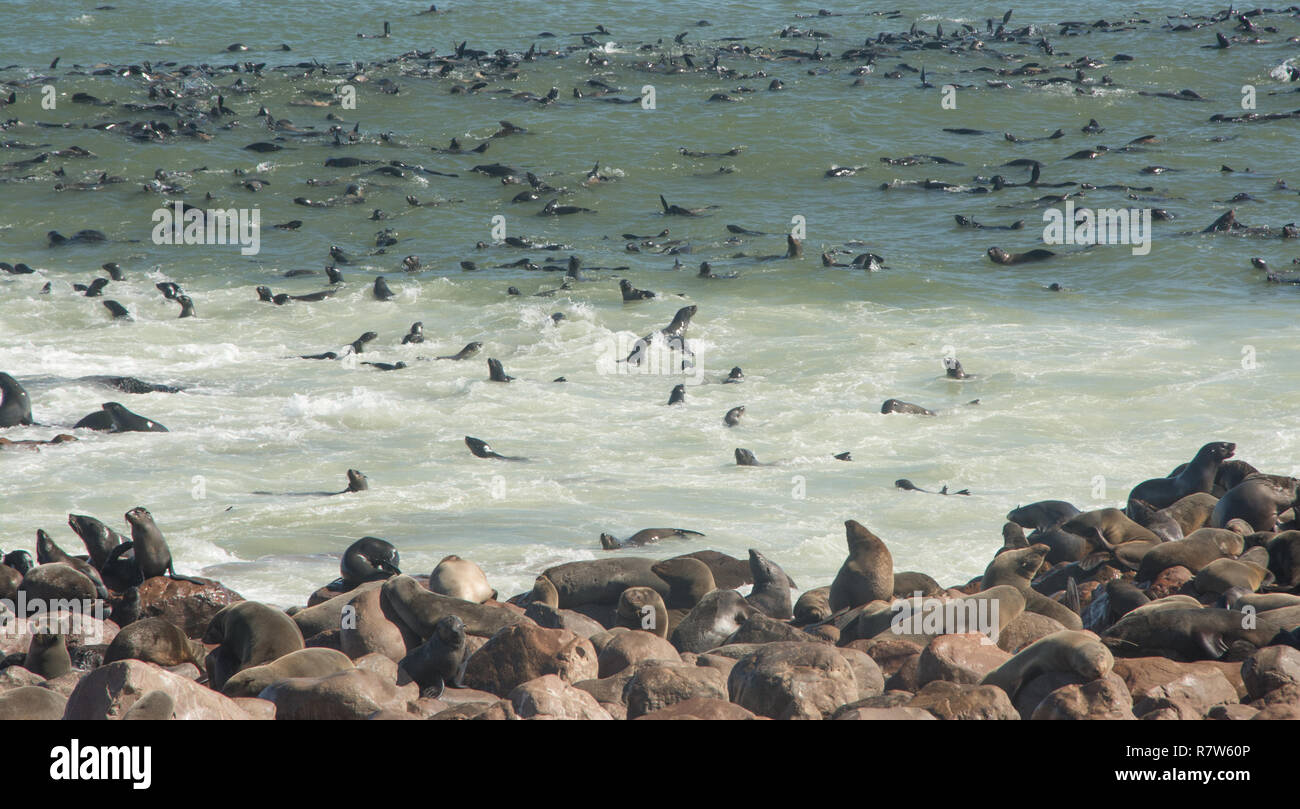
(1097, 637)
(1198, 576)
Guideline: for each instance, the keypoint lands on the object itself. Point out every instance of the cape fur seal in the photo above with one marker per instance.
(771, 593)
(868, 573)
(440, 659)
(645, 536)
(1198, 476)
(461, 578)
(247, 634)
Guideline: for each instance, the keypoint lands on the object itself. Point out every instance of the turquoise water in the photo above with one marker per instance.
(1082, 393)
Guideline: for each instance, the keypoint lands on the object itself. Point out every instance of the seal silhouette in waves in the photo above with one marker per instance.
(644, 537)
(481, 449)
(115, 418)
(15, 405)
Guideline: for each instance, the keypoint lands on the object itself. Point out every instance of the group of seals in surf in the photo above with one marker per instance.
(1184, 604)
(1197, 577)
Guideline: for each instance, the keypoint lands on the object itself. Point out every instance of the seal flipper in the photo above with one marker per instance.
(1072, 596)
(434, 691)
(1212, 643)
(174, 576)
(115, 566)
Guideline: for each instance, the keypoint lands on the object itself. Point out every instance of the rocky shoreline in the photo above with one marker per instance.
(1189, 611)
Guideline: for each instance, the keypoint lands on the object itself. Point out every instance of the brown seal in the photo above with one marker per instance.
(867, 575)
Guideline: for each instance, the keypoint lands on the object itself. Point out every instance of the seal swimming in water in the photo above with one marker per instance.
(496, 373)
(1198, 476)
(644, 537)
(15, 405)
(115, 418)
(867, 575)
(357, 482)
(468, 351)
(732, 418)
(369, 559)
(152, 556)
(899, 406)
(480, 449)
(999, 256)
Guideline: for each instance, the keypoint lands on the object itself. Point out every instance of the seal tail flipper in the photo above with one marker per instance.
(663, 202)
(172, 574)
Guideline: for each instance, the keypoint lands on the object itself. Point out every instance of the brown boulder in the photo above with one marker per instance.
(31, 702)
(962, 658)
(654, 687)
(551, 697)
(699, 708)
(1194, 686)
(109, 691)
(350, 694)
(793, 680)
(186, 604)
(1270, 668)
(1026, 628)
(964, 701)
(1106, 698)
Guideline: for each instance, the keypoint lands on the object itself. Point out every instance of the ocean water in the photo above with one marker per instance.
(1082, 393)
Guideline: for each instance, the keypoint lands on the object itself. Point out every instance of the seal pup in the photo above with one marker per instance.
(1198, 476)
(868, 573)
(48, 552)
(369, 559)
(47, 655)
(468, 351)
(771, 593)
(115, 418)
(644, 537)
(157, 641)
(151, 554)
(480, 449)
(461, 578)
(440, 659)
(15, 405)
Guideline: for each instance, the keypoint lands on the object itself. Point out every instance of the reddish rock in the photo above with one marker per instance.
(350, 694)
(653, 688)
(963, 658)
(550, 697)
(888, 714)
(524, 652)
(1169, 581)
(1232, 712)
(871, 681)
(793, 680)
(187, 605)
(109, 691)
(888, 652)
(1106, 698)
(964, 701)
(700, 708)
(1270, 668)
(1193, 686)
